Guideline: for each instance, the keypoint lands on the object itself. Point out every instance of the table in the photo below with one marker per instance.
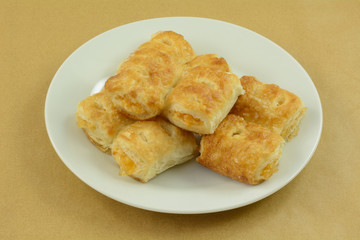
(42, 199)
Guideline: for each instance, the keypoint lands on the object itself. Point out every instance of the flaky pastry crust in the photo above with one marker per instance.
(147, 148)
(145, 78)
(241, 150)
(204, 95)
(270, 106)
(100, 120)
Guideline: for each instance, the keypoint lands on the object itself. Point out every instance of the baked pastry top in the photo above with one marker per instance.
(204, 95)
(147, 148)
(212, 61)
(270, 106)
(172, 44)
(241, 150)
(144, 79)
(100, 120)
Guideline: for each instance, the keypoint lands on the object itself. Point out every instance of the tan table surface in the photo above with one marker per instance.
(42, 199)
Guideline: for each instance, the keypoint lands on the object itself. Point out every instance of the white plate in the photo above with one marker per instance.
(189, 188)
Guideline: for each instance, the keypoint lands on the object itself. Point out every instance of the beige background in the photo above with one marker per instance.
(42, 199)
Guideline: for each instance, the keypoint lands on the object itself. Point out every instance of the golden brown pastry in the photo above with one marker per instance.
(172, 44)
(100, 120)
(209, 60)
(270, 106)
(145, 78)
(241, 150)
(147, 148)
(204, 95)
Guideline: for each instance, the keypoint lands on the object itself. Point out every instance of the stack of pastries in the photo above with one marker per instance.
(163, 95)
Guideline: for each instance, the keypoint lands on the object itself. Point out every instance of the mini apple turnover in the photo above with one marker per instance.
(241, 150)
(270, 106)
(146, 148)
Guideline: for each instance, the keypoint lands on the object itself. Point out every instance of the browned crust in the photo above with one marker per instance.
(238, 149)
(145, 78)
(211, 61)
(268, 105)
(148, 142)
(202, 98)
(137, 118)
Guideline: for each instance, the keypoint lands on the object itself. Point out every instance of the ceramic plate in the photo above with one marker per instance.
(188, 188)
